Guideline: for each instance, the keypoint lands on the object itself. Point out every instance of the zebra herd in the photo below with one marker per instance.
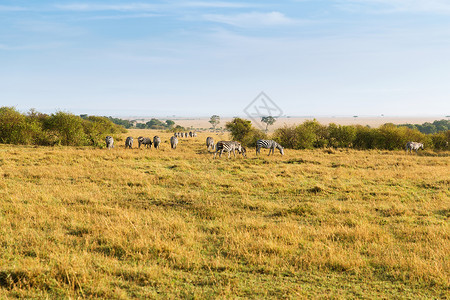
(185, 134)
(233, 146)
(221, 146)
(147, 142)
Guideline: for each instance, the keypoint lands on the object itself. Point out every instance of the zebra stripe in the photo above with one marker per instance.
(147, 142)
(209, 143)
(109, 142)
(156, 141)
(129, 142)
(268, 144)
(173, 142)
(413, 146)
(229, 146)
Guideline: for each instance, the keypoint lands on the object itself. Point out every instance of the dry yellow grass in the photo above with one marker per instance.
(88, 223)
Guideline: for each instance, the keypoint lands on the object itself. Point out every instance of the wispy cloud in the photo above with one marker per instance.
(253, 19)
(6, 8)
(125, 16)
(106, 7)
(218, 4)
(396, 6)
(31, 47)
(90, 7)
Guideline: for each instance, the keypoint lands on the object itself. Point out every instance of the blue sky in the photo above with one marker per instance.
(198, 58)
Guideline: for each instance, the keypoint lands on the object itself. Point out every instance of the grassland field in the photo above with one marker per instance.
(79, 222)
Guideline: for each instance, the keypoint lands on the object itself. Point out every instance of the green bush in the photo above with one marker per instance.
(59, 128)
(14, 128)
(311, 134)
(441, 140)
(308, 135)
(286, 136)
(243, 132)
(341, 136)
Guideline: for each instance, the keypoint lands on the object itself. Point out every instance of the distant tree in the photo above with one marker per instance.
(155, 124)
(269, 121)
(124, 123)
(170, 123)
(178, 128)
(214, 120)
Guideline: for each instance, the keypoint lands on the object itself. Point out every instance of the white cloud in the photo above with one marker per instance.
(253, 19)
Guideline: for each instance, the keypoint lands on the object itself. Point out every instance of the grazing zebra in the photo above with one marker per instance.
(147, 142)
(191, 134)
(209, 143)
(413, 146)
(268, 144)
(229, 146)
(185, 134)
(129, 142)
(156, 141)
(173, 142)
(109, 142)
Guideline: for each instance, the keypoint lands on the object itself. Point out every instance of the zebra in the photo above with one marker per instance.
(209, 143)
(185, 134)
(147, 142)
(268, 144)
(156, 141)
(109, 142)
(129, 142)
(413, 146)
(229, 146)
(173, 142)
(191, 134)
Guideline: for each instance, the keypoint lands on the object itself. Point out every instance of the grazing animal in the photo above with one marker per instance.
(156, 141)
(191, 134)
(229, 146)
(147, 142)
(268, 144)
(173, 142)
(194, 134)
(129, 142)
(109, 142)
(413, 146)
(209, 143)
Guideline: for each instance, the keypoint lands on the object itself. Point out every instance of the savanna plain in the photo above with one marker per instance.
(83, 222)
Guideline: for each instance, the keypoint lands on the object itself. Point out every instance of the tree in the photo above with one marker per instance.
(214, 120)
(242, 131)
(170, 123)
(268, 120)
(155, 124)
